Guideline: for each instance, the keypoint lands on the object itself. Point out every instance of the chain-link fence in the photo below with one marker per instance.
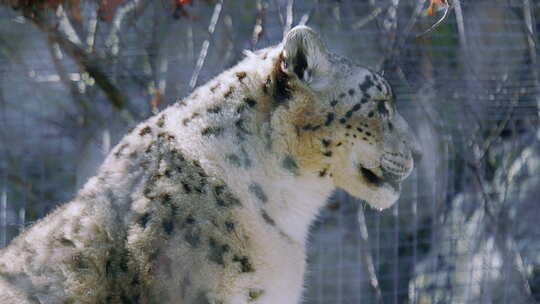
(75, 75)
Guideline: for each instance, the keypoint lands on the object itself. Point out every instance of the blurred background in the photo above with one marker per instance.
(75, 75)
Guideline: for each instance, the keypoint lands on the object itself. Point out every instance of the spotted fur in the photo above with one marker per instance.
(210, 200)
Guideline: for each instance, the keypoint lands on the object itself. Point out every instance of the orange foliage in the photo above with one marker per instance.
(155, 101)
(107, 8)
(37, 3)
(76, 11)
(179, 10)
(54, 3)
(431, 4)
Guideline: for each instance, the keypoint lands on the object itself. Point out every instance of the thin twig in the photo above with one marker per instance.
(475, 166)
(408, 29)
(229, 43)
(66, 27)
(258, 28)
(86, 62)
(64, 78)
(461, 25)
(206, 44)
(3, 216)
(92, 32)
(496, 132)
(367, 258)
(113, 40)
(304, 20)
(436, 24)
(289, 18)
(376, 12)
(498, 224)
(533, 43)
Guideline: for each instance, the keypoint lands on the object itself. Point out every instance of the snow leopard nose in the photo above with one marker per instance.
(400, 151)
(397, 166)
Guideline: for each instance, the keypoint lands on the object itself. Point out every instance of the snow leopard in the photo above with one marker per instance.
(210, 201)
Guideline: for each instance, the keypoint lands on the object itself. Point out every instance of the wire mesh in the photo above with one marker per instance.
(464, 230)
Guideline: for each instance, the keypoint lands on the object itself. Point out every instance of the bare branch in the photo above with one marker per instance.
(304, 20)
(376, 12)
(289, 18)
(461, 25)
(412, 22)
(367, 258)
(206, 44)
(436, 24)
(496, 132)
(92, 32)
(475, 167)
(86, 62)
(499, 222)
(113, 40)
(66, 27)
(258, 29)
(64, 78)
(229, 44)
(532, 43)
(3, 216)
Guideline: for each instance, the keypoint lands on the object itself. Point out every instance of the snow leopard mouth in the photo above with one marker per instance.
(380, 181)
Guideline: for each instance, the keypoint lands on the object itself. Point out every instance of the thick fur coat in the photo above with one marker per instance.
(210, 201)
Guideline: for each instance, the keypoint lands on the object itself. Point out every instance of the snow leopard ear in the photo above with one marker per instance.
(304, 55)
